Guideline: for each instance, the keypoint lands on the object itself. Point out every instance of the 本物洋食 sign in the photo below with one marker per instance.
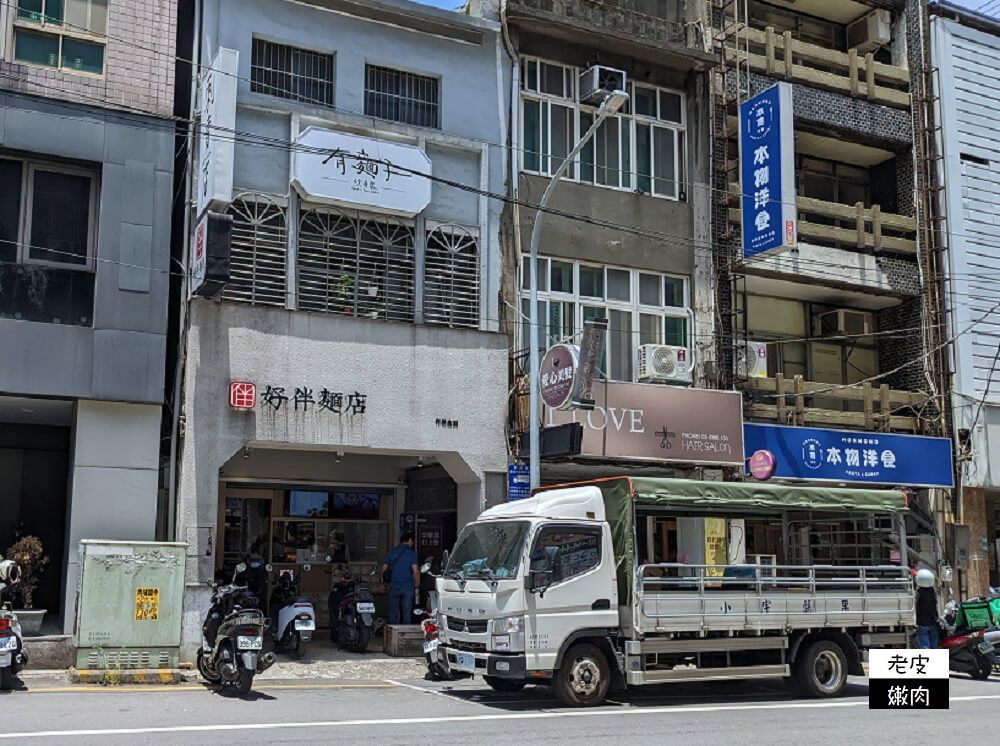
(767, 171)
(641, 421)
(816, 454)
(355, 171)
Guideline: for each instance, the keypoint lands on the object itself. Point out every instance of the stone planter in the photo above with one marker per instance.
(31, 621)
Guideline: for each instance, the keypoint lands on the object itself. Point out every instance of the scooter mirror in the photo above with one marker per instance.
(212, 584)
(241, 567)
(306, 567)
(268, 567)
(426, 567)
(328, 558)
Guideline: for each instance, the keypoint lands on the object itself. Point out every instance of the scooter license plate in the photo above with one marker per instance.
(430, 646)
(465, 662)
(306, 624)
(986, 648)
(366, 608)
(249, 643)
(8, 643)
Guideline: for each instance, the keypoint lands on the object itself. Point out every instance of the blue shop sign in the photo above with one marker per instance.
(767, 171)
(851, 456)
(518, 482)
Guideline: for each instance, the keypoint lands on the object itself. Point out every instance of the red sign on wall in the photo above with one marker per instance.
(242, 395)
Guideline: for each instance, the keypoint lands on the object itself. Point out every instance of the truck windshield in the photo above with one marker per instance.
(488, 550)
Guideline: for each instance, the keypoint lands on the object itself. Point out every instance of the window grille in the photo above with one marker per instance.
(451, 278)
(258, 253)
(400, 96)
(292, 73)
(356, 267)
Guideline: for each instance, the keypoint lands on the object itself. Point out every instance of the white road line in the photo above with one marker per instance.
(600, 712)
(416, 688)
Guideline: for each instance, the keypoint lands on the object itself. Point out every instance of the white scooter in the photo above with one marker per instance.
(293, 618)
(12, 655)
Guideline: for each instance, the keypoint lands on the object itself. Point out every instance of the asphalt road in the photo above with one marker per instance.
(422, 712)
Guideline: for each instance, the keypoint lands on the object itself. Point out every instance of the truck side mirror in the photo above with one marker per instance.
(553, 563)
(538, 581)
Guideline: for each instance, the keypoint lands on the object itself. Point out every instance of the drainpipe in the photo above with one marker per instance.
(172, 517)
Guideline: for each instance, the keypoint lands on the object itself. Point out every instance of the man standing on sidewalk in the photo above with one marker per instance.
(400, 570)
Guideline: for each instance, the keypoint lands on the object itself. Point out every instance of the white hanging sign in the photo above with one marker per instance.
(217, 132)
(354, 171)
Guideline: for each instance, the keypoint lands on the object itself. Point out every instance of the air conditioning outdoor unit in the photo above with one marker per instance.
(843, 323)
(870, 32)
(664, 363)
(751, 360)
(598, 81)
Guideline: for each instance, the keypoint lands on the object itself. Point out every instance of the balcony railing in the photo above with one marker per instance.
(785, 401)
(867, 230)
(778, 55)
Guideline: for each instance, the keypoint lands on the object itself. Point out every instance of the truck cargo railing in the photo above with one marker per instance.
(682, 597)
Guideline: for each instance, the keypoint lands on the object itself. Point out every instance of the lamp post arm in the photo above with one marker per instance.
(534, 363)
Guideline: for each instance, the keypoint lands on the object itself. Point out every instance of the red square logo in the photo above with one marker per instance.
(242, 395)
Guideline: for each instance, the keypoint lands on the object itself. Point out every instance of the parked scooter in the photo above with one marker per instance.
(233, 636)
(968, 650)
(351, 608)
(293, 619)
(12, 655)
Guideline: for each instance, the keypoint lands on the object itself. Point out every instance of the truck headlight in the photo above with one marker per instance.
(507, 625)
(501, 642)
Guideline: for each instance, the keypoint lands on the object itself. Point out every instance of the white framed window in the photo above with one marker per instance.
(48, 214)
(641, 307)
(643, 148)
(67, 35)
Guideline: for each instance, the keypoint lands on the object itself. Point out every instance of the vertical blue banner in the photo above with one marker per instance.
(767, 171)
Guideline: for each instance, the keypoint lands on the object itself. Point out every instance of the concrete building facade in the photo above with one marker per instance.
(86, 185)
(349, 381)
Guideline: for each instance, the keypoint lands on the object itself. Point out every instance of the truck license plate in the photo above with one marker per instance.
(306, 624)
(366, 608)
(986, 647)
(249, 643)
(8, 643)
(430, 646)
(465, 662)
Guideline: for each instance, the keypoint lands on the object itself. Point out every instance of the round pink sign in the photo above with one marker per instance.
(557, 374)
(762, 464)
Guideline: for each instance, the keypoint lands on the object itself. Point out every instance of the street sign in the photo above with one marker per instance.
(518, 482)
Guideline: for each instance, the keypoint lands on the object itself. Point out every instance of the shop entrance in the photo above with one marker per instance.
(34, 474)
(430, 512)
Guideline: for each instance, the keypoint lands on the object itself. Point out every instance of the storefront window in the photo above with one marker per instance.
(344, 541)
(347, 504)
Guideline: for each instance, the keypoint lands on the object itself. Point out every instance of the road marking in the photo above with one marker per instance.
(416, 688)
(598, 712)
(196, 687)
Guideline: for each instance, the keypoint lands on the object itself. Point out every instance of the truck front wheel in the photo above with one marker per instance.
(821, 671)
(583, 678)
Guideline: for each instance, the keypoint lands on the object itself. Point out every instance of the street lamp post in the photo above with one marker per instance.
(611, 104)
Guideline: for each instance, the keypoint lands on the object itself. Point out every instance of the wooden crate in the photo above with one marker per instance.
(403, 640)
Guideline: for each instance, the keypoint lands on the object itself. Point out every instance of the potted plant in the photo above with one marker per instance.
(27, 552)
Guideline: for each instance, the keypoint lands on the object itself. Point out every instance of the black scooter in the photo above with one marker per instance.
(233, 636)
(351, 608)
(13, 658)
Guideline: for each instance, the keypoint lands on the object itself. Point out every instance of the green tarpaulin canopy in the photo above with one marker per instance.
(623, 494)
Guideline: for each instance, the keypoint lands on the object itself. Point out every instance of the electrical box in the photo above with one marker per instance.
(130, 599)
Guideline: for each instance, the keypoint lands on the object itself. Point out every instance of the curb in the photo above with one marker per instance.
(128, 676)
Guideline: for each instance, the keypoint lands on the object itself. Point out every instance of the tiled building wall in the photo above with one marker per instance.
(139, 63)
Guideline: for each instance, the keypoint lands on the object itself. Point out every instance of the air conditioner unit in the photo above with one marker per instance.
(843, 323)
(664, 363)
(870, 32)
(751, 360)
(598, 81)
(765, 565)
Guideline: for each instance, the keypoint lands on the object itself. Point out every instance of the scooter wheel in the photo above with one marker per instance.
(6, 678)
(300, 646)
(207, 673)
(983, 668)
(244, 682)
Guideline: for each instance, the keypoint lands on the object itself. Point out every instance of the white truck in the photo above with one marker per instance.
(550, 590)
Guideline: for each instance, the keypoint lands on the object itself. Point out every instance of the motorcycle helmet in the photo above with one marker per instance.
(925, 578)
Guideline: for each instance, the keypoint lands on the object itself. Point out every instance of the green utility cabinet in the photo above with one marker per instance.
(129, 605)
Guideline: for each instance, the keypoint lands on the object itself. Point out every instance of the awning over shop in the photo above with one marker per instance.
(623, 494)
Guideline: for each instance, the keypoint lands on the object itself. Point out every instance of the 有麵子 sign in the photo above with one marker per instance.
(851, 456)
(767, 171)
(663, 423)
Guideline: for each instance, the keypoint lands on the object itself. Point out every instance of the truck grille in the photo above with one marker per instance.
(477, 626)
(468, 647)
